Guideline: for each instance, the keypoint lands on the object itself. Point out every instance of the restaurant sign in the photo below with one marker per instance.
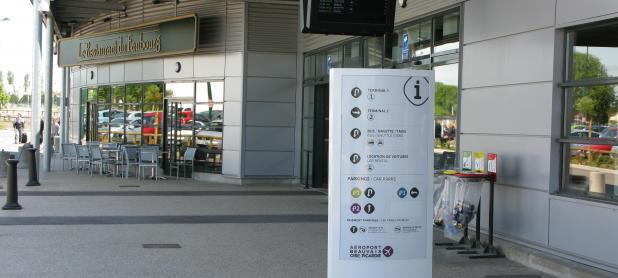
(162, 38)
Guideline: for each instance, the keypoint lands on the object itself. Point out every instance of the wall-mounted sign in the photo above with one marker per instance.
(492, 164)
(405, 48)
(155, 39)
(381, 173)
(479, 162)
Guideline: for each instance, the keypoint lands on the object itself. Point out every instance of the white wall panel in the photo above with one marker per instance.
(234, 64)
(574, 10)
(270, 114)
(231, 163)
(271, 65)
(486, 19)
(585, 229)
(116, 72)
(523, 160)
(152, 69)
(83, 75)
(271, 89)
(517, 109)
(518, 213)
(103, 73)
(91, 76)
(186, 67)
(75, 79)
(269, 139)
(209, 66)
(509, 60)
(232, 139)
(232, 113)
(269, 163)
(233, 89)
(133, 71)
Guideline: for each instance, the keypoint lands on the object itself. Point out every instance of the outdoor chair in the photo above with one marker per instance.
(96, 158)
(129, 159)
(69, 153)
(83, 156)
(148, 158)
(188, 159)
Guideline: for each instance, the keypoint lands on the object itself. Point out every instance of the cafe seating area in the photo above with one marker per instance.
(126, 160)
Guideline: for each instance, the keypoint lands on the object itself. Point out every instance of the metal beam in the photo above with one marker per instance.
(118, 7)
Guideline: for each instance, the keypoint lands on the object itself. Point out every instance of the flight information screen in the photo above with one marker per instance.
(351, 17)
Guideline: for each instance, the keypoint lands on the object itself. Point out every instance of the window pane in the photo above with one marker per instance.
(103, 94)
(593, 171)
(447, 77)
(134, 93)
(208, 128)
(446, 32)
(92, 94)
(103, 123)
(373, 52)
(117, 124)
(179, 90)
(592, 112)
(422, 43)
(133, 128)
(352, 57)
(595, 52)
(153, 93)
(152, 124)
(309, 67)
(333, 58)
(203, 94)
(117, 94)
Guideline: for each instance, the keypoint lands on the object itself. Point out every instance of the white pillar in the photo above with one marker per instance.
(49, 67)
(35, 97)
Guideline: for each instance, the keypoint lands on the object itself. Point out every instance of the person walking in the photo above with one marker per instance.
(18, 125)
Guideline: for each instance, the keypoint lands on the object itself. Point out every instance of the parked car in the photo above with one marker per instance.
(585, 134)
(104, 116)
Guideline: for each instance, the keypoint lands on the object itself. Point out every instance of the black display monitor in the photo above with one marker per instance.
(348, 17)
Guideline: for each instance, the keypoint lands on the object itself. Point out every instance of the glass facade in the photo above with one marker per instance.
(431, 43)
(590, 133)
(173, 116)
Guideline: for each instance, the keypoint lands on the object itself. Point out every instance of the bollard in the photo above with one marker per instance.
(11, 186)
(33, 175)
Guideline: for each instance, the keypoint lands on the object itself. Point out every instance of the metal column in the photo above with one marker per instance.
(49, 66)
(35, 97)
(63, 106)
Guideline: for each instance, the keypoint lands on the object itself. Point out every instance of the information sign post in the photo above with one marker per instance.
(381, 173)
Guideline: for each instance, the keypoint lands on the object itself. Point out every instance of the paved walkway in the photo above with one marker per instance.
(82, 226)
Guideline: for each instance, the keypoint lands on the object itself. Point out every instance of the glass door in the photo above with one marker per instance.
(178, 127)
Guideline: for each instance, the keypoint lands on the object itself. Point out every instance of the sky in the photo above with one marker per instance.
(16, 44)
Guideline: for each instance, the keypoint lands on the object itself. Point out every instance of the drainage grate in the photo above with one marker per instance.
(161, 245)
(513, 276)
(129, 185)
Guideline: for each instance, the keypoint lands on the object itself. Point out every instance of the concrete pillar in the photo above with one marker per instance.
(49, 73)
(35, 97)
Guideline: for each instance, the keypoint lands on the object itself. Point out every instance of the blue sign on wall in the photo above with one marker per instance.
(405, 50)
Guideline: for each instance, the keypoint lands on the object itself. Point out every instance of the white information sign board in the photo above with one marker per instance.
(380, 206)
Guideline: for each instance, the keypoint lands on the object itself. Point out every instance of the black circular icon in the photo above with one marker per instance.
(353, 229)
(356, 92)
(369, 192)
(356, 112)
(355, 133)
(355, 158)
(414, 192)
(369, 208)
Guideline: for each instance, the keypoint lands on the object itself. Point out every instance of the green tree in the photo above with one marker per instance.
(11, 79)
(446, 99)
(13, 99)
(1, 77)
(595, 103)
(4, 98)
(26, 82)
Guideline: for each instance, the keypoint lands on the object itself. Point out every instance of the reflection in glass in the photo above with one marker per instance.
(133, 93)
(208, 126)
(373, 52)
(352, 55)
(103, 94)
(593, 54)
(117, 94)
(592, 112)
(179, 90)
(133, 128)
(446, 107)
(153, 93)
(593, 170)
